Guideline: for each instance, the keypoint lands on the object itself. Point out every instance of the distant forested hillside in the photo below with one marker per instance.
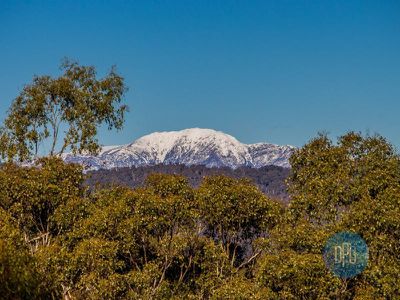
(270, 179)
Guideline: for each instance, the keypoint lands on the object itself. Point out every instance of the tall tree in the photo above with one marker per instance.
(352, 185)
(64, 112)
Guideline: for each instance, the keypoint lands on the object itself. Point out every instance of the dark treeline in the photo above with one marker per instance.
(270, 179)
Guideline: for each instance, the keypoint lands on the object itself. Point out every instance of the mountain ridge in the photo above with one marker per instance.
(194, 146)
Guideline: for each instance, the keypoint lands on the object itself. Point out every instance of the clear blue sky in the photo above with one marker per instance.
(277, 71)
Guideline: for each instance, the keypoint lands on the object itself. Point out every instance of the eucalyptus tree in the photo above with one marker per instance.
(351, 185)
(60, 113)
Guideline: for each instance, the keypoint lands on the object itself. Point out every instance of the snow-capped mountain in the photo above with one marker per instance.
(189, 147)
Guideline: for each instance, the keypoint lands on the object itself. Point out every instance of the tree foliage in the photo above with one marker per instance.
(221, 240)
(62, 113)
(349, 186)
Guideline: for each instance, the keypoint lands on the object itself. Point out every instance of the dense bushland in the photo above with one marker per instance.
(222, 240)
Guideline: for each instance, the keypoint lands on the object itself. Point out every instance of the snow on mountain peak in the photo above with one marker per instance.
(194, 146)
